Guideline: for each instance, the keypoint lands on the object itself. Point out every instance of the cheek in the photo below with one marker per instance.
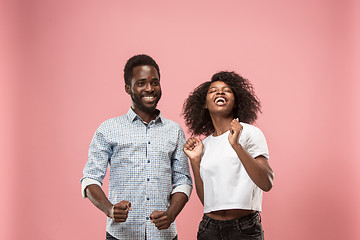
(135, 94)
(232, 103)
(207, 100)
(136, 90)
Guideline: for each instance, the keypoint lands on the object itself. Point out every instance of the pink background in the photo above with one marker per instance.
(61, 66)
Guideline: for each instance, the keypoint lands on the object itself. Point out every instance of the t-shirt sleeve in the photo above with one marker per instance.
(256, 144)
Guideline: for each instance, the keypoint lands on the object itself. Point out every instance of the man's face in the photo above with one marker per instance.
(145, 89)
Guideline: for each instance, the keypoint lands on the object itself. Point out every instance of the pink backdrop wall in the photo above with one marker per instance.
(61, 75)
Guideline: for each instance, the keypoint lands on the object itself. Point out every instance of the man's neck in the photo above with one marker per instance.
(145, 115)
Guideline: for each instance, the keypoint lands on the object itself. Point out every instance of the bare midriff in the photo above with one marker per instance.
(229, 214)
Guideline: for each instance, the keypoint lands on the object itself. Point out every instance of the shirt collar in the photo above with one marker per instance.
(133, 116)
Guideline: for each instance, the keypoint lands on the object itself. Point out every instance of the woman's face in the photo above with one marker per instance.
(220, 99)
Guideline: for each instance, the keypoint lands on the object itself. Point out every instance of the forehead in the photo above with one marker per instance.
(144, 72)
(218, 84)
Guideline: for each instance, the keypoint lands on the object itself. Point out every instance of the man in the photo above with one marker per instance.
(149, 181)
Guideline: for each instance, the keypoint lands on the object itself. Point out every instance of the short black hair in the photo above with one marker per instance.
(246, 107)
(138, 60)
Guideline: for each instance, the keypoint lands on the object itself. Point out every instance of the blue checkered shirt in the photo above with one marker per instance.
(147, 164)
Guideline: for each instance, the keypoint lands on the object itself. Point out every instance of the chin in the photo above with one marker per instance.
(148, 108)
(223, 112)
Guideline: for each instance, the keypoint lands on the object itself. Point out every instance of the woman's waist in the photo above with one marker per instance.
(229, 214)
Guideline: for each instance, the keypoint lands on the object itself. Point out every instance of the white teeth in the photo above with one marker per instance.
(220, 99)
(149, 97)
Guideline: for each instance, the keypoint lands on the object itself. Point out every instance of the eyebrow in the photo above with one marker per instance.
(221, 87)
(144, 79)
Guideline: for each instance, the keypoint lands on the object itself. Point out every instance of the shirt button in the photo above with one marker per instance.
(149, 142)
(147, 218)
(147, 198)
(148, 161)
(148, 179)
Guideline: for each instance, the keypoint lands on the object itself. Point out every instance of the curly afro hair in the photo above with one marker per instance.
(246, 107)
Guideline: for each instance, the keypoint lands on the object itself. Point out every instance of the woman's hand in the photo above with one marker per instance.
(235, 131)
(193, 148)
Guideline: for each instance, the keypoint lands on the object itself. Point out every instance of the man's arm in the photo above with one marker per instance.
(163, 220)
(182, 187)
(118, 212)
(100, 151)
(97, 196)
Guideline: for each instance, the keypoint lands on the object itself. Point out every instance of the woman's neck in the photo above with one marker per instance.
(221, 124)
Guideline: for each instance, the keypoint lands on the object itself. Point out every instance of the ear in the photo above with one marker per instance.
(127, 89)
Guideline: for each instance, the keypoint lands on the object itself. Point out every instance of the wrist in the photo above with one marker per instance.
(110, 211)
(235, 145)
(171, 215)
(195, 159)
(195, 162)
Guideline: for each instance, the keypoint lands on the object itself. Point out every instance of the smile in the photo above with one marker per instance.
(220, 101)
(149, 97)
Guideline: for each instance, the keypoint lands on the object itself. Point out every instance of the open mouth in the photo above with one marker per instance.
(220, 101)
(149, 98)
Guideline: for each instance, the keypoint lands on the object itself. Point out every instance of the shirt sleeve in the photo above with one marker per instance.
(185, 188)
(100, 152)
(256, 144)
(86, 182)
(181, 177)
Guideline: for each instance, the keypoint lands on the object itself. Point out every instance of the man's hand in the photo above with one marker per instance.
(161, 219)
(235, 131)
(193, 148)
(119, 211)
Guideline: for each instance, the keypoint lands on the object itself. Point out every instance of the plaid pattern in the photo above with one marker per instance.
(146, 163)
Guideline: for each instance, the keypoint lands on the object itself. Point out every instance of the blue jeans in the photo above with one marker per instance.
(245, 228)
(109, 237)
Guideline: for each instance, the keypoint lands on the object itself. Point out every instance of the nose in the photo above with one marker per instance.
(220, 92)
(149, 87)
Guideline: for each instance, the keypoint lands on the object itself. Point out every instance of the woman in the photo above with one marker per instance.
(230, 165)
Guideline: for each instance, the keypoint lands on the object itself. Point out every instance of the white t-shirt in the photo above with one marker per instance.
(226, 182)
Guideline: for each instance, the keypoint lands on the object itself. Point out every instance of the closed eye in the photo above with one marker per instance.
(212, 90)
(140, 83)
(156, 83)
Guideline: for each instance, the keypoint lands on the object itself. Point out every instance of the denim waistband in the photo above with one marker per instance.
(237, 221)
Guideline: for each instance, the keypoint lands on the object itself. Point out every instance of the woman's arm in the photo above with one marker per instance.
(198, 181)
(193, 149)
(257, 168)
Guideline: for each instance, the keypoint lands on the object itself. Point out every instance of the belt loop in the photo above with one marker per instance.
(259, 216)
(207, 220)
(238, 222)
